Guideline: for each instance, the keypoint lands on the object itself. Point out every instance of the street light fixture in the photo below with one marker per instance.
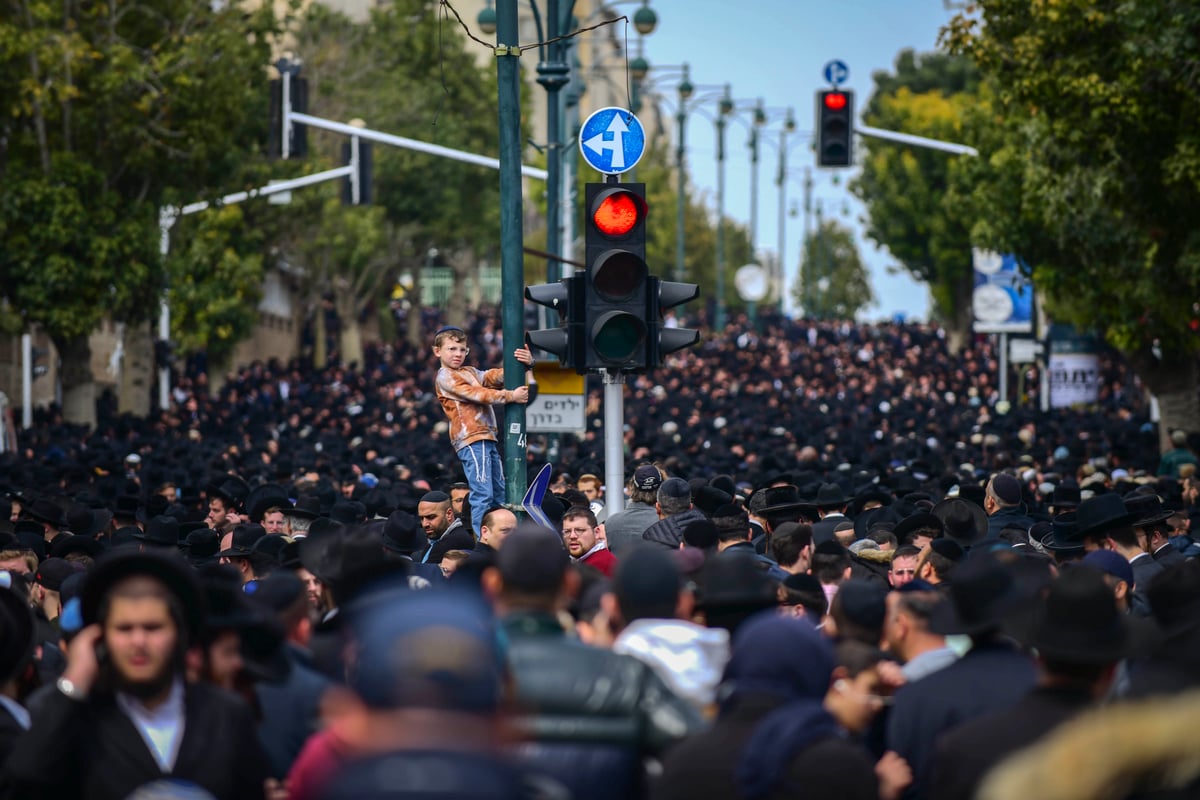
(487, 19)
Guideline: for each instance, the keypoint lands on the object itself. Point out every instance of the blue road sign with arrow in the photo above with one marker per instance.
(836, 72)
(612, 140)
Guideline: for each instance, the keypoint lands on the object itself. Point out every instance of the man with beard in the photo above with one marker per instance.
(123, 717)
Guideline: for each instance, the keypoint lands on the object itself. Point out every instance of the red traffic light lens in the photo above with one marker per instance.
(835, 101)
(616, 214)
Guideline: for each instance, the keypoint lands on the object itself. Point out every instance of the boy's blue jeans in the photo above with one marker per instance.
(485, 474)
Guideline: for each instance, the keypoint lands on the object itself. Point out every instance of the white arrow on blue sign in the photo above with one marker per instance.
(836, 72)
(612, 140)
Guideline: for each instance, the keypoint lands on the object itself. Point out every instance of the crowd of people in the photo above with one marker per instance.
(843, 568)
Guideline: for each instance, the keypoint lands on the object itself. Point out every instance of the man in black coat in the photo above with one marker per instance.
(992, 676)
(123, 716)
(1079, 636)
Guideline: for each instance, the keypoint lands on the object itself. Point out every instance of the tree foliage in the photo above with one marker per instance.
(1092, 169)
(906, 189)
(107, 111)
(834, 283)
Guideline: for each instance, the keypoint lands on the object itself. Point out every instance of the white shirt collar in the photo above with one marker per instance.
(162, 727)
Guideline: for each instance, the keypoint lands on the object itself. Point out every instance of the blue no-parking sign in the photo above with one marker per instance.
(612, 140)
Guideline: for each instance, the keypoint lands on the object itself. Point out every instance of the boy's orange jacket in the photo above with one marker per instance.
(467, 395)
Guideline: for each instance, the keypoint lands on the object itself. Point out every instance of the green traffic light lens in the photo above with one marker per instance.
(617, 336)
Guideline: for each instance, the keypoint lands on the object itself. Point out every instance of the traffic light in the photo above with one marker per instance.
(356, 188)
(37, 358)
(164, 354)
(563, 341)
(298, 94)
(663, 340)
(616, 294)
(835, 128)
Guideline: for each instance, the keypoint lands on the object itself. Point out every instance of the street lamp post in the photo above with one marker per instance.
(725, 108)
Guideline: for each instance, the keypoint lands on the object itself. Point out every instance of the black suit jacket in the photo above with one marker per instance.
(1144, 570)
(91, 751)
(1168, 555)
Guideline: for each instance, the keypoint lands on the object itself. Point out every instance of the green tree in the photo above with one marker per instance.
(906, 189)
(834, 283)
(407, 72)
(108, 111)
(1091, 171)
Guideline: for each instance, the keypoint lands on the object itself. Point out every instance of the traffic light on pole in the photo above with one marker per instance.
(663, 340)
(563, 341)
(835, 128)
(617, 283)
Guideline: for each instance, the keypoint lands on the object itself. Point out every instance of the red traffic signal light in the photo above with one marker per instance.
(834, 101)
(616, 212)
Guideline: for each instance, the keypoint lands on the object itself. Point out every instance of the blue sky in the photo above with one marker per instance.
(776, 49)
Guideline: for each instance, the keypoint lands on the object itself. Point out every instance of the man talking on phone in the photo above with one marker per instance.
(123, 717)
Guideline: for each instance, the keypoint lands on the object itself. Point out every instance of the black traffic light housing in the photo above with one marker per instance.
(564, 341)
(298, 91)
(665, 295)
(835, 128)
(363, 175)
(616, 281)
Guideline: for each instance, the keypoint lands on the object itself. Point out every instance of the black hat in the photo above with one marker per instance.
(647, 478)
(1006, 488)
(983, 593)
(700, 533)
(231, 489)
(268, 495)
(780, 500)
(47, 511)
(156, 506)
(53, 571)
(244, 537)
(268, 547)
(964, 521)
(1078, 622)
(168, 568)
(1146, 510)
(348, 512)
(1063, 537)
(127, 506)
(675, 487)
(402, 534)
(1100, 514)
(66, 544)
(1065, 496)
(277, 592)
(867, 494)
(948, 548)
(735, 583)
(162, 531)
(921, 521)
(308, 506)
(84, 521)
(289, 556)
(320, 551)
(17, 638)
(29, 539)
(201, 546)
(709, 498)
(831, 495)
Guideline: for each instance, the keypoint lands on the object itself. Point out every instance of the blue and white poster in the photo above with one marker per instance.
(1003, 298)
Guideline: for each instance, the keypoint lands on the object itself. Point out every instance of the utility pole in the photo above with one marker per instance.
(512, 272)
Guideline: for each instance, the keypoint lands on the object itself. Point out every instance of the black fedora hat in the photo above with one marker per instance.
(920, 521)
(127, 506)
(1063, 537)
(85, 521)
(831, 495)
(73, 543)
(780, 500)
(402, 534)
(155, 506)
(348, 512)
(983, 594)
(162, 531)
(242, 541)
(870, 493)
(231, 489)
(1065, 496)
(201, 546)
(964, 522)
(166, 567)
(307, 506)
(46, 510)
(1145, 510)
(34, 540)
(1077, 622)
(1100, 514)
(17, 638)
(261, 498)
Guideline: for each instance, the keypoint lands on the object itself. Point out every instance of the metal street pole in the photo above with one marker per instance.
(726, 107)
(681, 128)
(552, 75)
(614, 441)
(781, 233)
(512, 277)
